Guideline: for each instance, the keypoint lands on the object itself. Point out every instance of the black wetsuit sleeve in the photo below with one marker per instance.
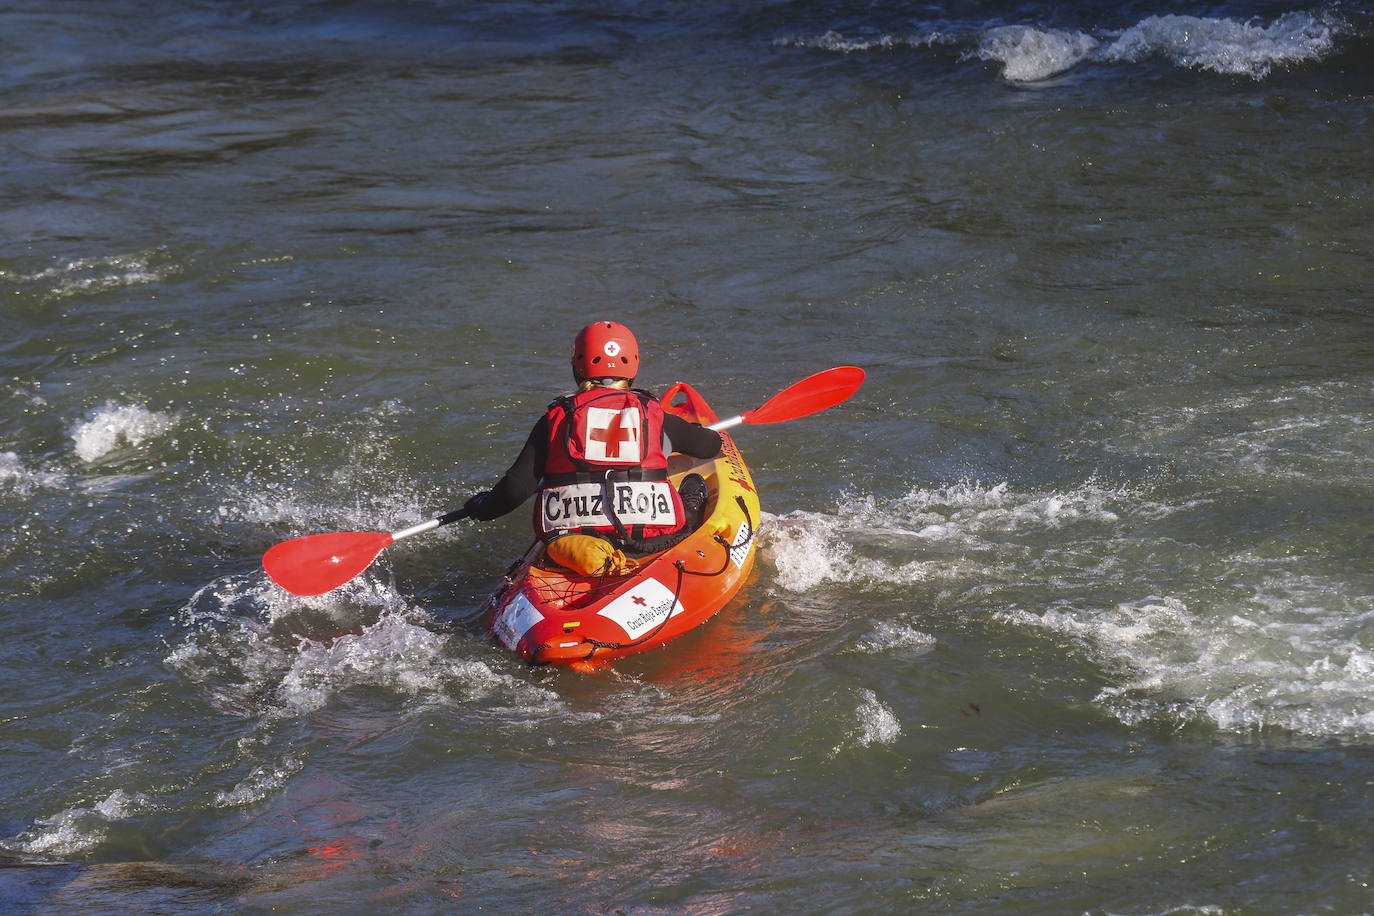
(520, 481)
(691, 439)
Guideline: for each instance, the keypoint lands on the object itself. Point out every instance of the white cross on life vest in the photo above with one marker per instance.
(608, 431)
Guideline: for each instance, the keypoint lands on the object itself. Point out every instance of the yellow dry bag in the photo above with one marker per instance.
(589, 556)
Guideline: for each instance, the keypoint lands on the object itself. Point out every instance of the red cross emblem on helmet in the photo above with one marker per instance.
(605, 349)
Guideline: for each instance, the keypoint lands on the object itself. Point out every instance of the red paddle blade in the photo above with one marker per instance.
(813, 393)
(320, 563)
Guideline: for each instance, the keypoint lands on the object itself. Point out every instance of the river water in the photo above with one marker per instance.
(1069, 610)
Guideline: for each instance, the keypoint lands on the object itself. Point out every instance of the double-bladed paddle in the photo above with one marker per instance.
(319, 563)
(800, 399)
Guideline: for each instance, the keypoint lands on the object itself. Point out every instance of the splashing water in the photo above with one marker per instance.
(77, 829)
(835, 41)
(1285, 663)
(18, 477)
(1028, 54)
(873, 541)
(262, 653)
(1226, 46)
(877, 724)
(890, 636)
(1262, 642)
(114, 427)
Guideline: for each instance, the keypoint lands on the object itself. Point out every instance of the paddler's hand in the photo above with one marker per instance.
(474, 507)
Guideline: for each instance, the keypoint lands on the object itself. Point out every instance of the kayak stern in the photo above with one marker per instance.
(548, 615)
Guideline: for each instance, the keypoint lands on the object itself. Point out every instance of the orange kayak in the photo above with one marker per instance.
(550, 615)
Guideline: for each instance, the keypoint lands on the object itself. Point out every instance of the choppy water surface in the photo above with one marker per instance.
(1070, 610)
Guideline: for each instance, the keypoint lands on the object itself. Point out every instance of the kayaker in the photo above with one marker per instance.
(598, 461)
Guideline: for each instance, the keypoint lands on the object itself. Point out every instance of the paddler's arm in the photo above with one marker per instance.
(520, 482)
(689, 438)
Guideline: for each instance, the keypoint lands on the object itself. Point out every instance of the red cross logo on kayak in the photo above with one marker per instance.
(615, 433)
(640, 601)
(742, 482)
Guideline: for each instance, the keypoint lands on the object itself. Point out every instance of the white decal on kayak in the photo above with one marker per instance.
(744, 540)
(515, 620)
(642, 608)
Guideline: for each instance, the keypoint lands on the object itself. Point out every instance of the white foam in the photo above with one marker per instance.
(240, 649)
(890, 636)
(1227, 46)
(1254, 641)
(261, 783)
(839, 43)
(12, 470)
(21, 479)
(1289, 662)
(1298, 432)
(876, 723)
(873, 541)
(114, 427)
(399, 655)
(76, 830)
(1029, 54)
(95, 274)
(392, 653)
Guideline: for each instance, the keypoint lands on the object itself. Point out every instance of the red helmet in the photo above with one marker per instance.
(604, 349)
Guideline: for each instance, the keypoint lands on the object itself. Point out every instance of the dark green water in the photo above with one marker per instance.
(1068, 611)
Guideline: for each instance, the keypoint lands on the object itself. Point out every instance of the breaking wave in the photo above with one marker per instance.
(1287, 662)
(1030, 53)
(78, 829)
(928, 534)
(1255, 641)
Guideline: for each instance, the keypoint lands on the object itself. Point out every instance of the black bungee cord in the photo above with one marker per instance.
(682, 573)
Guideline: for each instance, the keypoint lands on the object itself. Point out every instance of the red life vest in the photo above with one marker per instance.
(606, 472)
